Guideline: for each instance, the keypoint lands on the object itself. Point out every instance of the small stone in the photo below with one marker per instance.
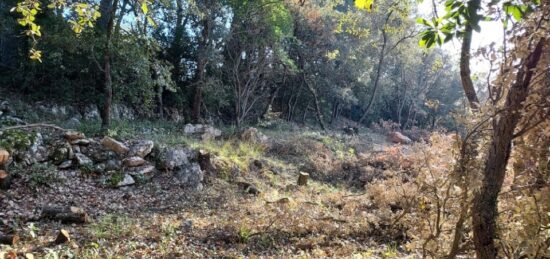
(83, 160)
(142, 170)
(99, 168)
(133, 161)
(116, 146)
(65, 165)
(74, 135)
(398, 137)
(113, 165)
(128, 180)
(82, 142)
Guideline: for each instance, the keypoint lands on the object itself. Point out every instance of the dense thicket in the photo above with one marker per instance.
(235, 61)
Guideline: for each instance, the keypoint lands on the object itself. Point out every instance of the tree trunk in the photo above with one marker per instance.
(302, 179)
(484, 212)
(318, 110)
(377, 77)
(465, 73)
(105, 24)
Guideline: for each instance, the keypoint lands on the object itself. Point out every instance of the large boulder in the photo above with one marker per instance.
(115, 146)
(398, 137)
(206, 132)
(191, 176)
(121, 111)
(253, 135)
(170, 158)
(141, 148)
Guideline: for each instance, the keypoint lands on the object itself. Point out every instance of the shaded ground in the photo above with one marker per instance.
(161, 219)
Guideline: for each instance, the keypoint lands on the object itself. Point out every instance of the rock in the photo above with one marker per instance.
(398, 137)
(5, 108)
(191, 176)
(83, 160)
(211, 133)
(6, 121)
(65, 165)
(253, 135)
(90, 112)
(121, 111)
(206, 132)
(133, 161)
(141, 170)
(187, 226)
(73, 122)
(126, 181)
(76, 149)
(193, 129)
(81, 142)
(141, 148)
(173, 158)
(97, 152)
(100, 168)
(73, 135)
(60, 153)
(114, 145)
(113, 165)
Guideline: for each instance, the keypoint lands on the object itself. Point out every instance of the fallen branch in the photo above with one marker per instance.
(35, 125)
(333, 219)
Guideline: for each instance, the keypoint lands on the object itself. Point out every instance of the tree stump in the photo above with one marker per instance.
(4, 157)
(62, 237)
(66, 215)
(302, 179)
(9, 239)
(5, 180)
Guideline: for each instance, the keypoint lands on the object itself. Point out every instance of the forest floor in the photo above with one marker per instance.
(330, 217)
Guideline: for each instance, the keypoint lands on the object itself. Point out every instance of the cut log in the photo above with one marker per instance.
(4, 157)
(62, 237)
(302, 179)
(5, 180)
(65, 214)
(205, 162)
(9, 239)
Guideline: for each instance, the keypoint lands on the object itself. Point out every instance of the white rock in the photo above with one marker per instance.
(128, 180)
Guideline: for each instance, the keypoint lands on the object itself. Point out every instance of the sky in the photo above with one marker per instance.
(490, 32)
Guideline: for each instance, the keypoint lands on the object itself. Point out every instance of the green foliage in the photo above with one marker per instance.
(111, 226)
(460, 14)
(114, 179)
(13, 140)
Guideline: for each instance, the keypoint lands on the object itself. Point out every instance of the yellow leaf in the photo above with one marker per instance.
(364, 4)
(144, 7)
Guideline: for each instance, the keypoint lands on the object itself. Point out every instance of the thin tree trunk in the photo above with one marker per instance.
(465, 73)
(201, 66)
(378, 71)
(318, 110)
(106, 23)
(484, 212)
